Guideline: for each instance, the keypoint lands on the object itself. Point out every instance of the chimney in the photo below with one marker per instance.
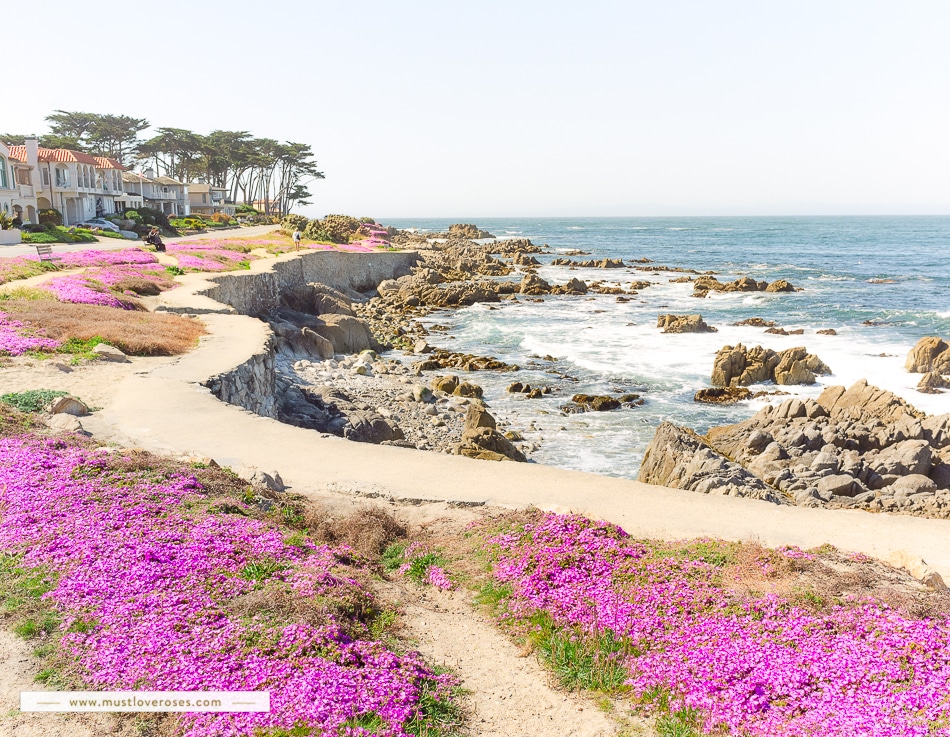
(149, 173)
(32, 152)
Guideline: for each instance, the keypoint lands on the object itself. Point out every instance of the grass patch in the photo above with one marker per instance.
(133, 332)
(682, 723)
(26, 293)
(34, 400)
(260, 570)
(594, 662)
(439, 714)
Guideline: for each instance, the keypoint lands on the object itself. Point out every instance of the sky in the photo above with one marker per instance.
(523, 108)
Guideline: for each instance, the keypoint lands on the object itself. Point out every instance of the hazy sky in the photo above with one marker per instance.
(532, 108)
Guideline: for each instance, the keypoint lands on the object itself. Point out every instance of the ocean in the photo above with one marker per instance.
(891, 272)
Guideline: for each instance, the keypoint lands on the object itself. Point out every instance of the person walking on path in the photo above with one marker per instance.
(296, 238)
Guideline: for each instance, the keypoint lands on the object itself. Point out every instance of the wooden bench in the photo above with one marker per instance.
(45, 252)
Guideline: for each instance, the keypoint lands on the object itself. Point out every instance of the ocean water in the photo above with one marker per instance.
(600, 345)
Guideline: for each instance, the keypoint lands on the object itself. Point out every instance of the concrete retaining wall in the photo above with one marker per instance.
(258, 293)
(252, 384)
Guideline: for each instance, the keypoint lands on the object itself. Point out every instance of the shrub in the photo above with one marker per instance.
(51, 217)
(246, 210)
(134, 216)
(315, 232)
(341, 228)
(33, 228)
(220, 217)
(294, 222)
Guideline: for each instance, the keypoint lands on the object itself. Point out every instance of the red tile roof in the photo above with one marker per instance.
(61, 155)
(104, 162)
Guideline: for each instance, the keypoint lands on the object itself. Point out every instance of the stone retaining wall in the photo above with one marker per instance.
(250, 385)
(258, 293)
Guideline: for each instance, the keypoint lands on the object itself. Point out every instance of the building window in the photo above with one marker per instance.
(3, 172)
(45, 177)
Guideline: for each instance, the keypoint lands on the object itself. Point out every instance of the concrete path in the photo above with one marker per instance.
(165, 409)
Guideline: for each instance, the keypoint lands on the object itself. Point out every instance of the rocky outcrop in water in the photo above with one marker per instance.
(741, 366)
(860, 447)
(931, 356)
(702, 285)
(468, 230)
(683, 324)
(603, 263)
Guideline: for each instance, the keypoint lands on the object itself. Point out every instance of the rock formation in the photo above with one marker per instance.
(681, 459)
(683, 324)
(741, 366)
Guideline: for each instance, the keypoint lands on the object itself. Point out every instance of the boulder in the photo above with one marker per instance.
(110, 353)
(534, 285)
(305, 342)
(683, 324)
(369, 427)
(797, 366)
(468, 389)
(780, 285)
(930, 354)
(913, 483)
(257, 477)
(741, 366)
(422, 394)
(722, 395)
(69, 406)
(66, 423)
(477, 416)
(839, 485)
(445, 384)
(476, 441)
(347, 334)
(679, 458)
(933, 383)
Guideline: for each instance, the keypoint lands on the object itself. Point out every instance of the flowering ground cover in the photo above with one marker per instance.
(212, 255)
(16, 338)
(23, 267)
(107, 258)
(674, 626)
(143, 574)
(116, 285)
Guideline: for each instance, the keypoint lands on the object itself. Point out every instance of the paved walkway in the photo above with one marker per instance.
(115, 244)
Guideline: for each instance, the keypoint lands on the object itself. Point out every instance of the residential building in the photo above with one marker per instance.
(207, 199)
(80, 186)
(133, 191)
(17, 197)
(171, 197)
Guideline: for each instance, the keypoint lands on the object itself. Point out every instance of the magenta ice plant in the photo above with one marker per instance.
(752, 666)
(146, 586)
(16, 338)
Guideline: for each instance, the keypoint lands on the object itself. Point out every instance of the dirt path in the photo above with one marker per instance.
(18, 666)
(508, 694)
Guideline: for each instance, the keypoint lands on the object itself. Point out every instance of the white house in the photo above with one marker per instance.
(80, 186)
(159, 193)
(206, 199)
(17, 198)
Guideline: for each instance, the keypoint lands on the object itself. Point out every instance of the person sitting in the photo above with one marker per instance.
(155, 239)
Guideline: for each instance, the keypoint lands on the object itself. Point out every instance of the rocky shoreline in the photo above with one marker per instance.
(857, 448)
